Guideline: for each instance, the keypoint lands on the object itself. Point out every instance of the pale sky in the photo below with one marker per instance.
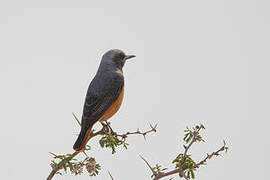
(198, 61)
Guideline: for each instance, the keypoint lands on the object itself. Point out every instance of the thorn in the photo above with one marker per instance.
(202, 126)
(155, 173)
(76, 119)
(151, 125)
(144, 136)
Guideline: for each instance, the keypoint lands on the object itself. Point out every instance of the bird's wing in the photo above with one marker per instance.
(100, 96)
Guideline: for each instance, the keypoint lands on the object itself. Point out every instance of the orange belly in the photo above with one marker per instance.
(114, 107)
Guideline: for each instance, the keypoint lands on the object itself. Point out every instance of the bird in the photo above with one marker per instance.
(104, 95)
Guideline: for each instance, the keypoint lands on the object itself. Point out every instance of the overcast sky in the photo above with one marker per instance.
(198, 61)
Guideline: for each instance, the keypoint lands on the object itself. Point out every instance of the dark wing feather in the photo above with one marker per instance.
(102, 93)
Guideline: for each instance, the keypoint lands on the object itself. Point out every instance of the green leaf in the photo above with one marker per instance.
(188, 174)
(71, 168)
(192, 173)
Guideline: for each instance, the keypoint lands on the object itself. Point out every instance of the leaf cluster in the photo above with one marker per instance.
(186, 163)
(68, 162)
(112, 141)
(190, 133)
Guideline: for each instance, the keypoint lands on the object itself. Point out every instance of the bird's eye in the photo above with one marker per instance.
(121, 55)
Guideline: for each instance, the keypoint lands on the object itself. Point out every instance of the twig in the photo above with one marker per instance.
(196, 133)
(76, 119)
(110, 175)
(153, 129)
(216, 153)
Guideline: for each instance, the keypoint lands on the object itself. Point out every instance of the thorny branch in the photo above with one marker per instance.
(106, 130)
(216, 153)
(153, 129)
(203, 162)
(157, 174)
(196, 133)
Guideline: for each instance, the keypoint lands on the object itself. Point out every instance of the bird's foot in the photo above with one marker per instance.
(111, 130)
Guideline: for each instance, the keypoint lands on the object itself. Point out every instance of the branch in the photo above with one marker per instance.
(60, 165)
(216, 153)
(104, 131)
(167, 174)
(185, 165)
(203, 162)
(193, 139)
(153, 129)
(64, 161)
(182, 172)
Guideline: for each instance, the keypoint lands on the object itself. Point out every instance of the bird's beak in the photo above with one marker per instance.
(129, 57)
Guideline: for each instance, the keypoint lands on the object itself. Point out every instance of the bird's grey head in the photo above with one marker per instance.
(116, 57)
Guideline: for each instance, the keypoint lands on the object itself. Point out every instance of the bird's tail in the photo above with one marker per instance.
(82, 139)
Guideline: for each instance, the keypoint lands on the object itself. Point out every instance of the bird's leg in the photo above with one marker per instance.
(103, 124)
(105, 127)
(111, 130)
